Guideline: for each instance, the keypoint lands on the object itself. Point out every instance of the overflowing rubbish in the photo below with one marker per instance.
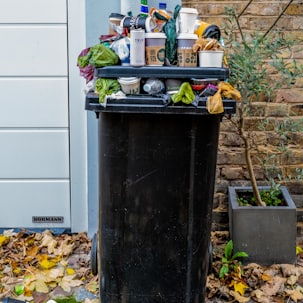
(158, 37)
(157, 144)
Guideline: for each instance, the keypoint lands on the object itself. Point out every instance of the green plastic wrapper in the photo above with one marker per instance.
(171, 37)
(184, 95)
(99, 55)
(106, 87)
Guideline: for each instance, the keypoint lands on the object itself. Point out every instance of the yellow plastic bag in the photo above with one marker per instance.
(228, 91)
(214, 104)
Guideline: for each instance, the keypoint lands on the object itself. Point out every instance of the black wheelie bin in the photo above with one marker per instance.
(157, 165)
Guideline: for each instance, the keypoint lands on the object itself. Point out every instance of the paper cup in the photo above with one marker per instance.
(155, 48)
(185, 54)
(210, 58)
(186, 20)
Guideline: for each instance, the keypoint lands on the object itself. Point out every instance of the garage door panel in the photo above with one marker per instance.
(23, 200)
(33, 11)
(35, 102)
(33, 50)
(34, 154)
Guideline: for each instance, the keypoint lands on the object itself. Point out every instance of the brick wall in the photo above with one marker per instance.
(231, 170)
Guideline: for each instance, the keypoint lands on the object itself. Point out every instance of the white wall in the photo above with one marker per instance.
(34, 121)
(43, 163)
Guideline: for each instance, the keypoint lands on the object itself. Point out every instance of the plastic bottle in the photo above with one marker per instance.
(144, 8)
(162, 5)
(153, 86)
(164, 11)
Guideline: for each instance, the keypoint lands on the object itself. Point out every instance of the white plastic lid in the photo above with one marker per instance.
(155, 35)
(189, 10)
(187, 36)
(128, 80)
(147, 87)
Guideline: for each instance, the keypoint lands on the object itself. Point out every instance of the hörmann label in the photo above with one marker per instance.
(47, 219)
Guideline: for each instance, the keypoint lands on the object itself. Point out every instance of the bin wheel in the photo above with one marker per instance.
(94, 255)
(210, 258)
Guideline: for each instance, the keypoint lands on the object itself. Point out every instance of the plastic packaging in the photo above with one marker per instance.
(130, 85)
(160, 16)
(206, 30)
(114, 23)
(154, 86)
(122, 48)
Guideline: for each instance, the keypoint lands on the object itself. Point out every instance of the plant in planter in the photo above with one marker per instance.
(258, 71)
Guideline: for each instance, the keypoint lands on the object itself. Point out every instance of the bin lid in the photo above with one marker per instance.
(152, 105)
(115, 71)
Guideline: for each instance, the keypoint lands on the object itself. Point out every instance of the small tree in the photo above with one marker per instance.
(252, 60)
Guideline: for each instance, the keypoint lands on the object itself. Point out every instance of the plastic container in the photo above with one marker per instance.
(186, 20)
(130, 85)
(172, 85)
(211, 58)
(185, 54)
(155, 48)
(154, 86)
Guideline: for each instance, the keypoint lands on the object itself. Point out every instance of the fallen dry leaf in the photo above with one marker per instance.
(292, 280)
(260, 297)
(68, 282)
(266, 277)
(274, 286)
(48, 241)
(46, 263)
(238, 297)
(240, 287)
(294, 294)
(65, 248)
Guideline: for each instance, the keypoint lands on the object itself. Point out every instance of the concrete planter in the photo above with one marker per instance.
(266, 234)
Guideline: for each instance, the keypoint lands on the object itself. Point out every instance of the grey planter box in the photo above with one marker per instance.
(266, 234)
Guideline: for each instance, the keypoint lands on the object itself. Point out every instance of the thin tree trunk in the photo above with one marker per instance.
(252, 176)
(249, 164)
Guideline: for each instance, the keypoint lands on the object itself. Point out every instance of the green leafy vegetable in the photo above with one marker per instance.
(98, 56)
(106, 87)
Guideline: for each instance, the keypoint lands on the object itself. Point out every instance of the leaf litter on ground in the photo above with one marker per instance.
(37, 267)
(278, 283)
